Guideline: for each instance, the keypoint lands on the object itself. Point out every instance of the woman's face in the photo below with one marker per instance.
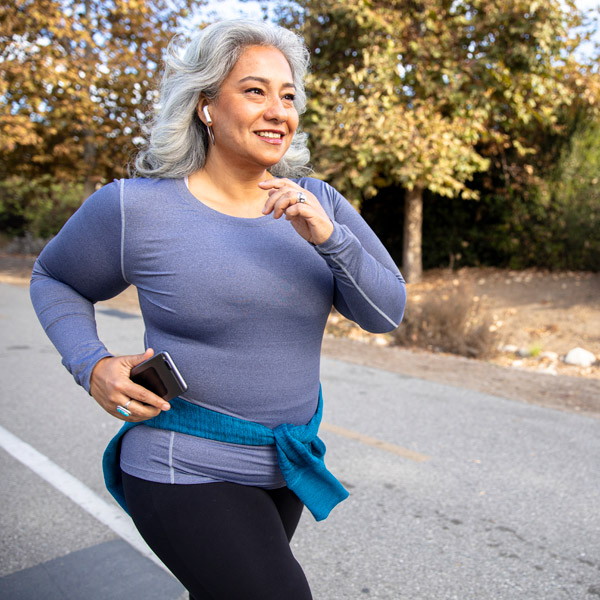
(254, 118)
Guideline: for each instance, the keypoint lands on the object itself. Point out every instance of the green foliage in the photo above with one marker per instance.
(373, 124)
(578, 171)
(553, 234)
(36, 207)
(555, 225)
(428, 94)
(574, 199)
(545, 230)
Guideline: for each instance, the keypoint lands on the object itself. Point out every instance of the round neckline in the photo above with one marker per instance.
(247, 221)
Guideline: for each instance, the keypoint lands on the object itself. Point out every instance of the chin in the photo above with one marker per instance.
(267, 163)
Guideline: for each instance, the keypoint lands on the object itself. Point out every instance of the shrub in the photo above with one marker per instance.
(450, 321)
(38, 207)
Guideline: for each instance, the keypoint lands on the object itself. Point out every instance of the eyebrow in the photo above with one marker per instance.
(264, 80)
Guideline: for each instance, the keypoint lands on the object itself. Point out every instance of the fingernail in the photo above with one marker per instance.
(166, 406)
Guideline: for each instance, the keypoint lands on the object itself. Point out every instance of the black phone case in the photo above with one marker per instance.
(159, 375)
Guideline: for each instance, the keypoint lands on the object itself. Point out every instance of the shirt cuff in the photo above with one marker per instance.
(333, 243)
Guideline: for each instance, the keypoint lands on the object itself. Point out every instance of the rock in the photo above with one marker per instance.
(510, 348)
(580, 357)
(548, 355)
(523, 352)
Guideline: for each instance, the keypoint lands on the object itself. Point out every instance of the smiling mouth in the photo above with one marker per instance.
(270, 134)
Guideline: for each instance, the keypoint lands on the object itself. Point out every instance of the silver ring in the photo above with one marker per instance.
(127, 403)
(123, 411)
(301, 198)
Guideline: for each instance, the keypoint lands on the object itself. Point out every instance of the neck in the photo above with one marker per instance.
(229, 188)
(237, 180)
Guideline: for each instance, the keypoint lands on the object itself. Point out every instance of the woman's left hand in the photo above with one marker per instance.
(308, 218)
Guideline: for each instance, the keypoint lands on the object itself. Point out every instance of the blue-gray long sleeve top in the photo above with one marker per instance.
(240, 304)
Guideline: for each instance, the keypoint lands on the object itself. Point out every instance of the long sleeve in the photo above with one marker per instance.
(369, 288)
(79, 267)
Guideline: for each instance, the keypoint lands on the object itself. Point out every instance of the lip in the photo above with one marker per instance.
(274, 141)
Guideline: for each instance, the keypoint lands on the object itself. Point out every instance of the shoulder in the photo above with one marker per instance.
(328, 196)
(145, 185)
(316, 186)
(116, 190)
(128, 195)
(102, 202)
(146, 191)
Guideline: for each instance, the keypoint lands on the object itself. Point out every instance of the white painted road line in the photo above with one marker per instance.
(111, 516)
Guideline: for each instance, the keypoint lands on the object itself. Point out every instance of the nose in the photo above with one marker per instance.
(276, 111)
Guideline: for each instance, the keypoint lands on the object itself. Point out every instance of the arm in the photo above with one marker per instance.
(369, 288)
(79, 267)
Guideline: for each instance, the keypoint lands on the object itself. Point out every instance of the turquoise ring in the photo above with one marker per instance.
(123, 411)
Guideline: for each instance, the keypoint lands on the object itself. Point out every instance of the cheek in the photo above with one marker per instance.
(293, 122)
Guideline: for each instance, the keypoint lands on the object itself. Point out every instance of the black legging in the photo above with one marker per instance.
(223, 541)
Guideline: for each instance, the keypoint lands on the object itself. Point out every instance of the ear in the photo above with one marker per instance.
(203, 111)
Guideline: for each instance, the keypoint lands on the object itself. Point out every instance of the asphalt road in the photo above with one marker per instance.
(454, 494)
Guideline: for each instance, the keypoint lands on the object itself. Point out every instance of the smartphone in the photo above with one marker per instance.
(159, 375)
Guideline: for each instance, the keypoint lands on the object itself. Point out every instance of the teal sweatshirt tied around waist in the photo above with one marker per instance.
(300, 452)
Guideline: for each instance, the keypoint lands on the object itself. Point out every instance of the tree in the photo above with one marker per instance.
(76, 82)
(423, 94)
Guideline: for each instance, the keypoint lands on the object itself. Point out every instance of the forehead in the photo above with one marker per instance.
(262, 61)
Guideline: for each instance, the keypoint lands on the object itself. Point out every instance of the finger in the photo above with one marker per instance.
(275, 195)
(276, 188)
(285, 199)
(132, 410)
(140, 393)
(120, 389)
(149, 353)
(296, 210)
(275, 183)
(133, 360)
(144, 396)
(310, 222)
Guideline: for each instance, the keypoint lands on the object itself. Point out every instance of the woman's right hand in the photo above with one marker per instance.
(111, 386)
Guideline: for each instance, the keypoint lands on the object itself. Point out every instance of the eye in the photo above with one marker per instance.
(291, 97)
(256, 91)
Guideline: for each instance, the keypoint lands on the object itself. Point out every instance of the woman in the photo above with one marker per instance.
(238, 296)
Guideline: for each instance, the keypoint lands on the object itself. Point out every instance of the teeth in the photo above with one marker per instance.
(269, 134)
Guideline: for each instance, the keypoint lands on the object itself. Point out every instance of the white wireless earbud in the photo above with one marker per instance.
(207, 115)
(211, 134)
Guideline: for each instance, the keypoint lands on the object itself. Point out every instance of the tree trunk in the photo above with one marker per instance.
(412, 264)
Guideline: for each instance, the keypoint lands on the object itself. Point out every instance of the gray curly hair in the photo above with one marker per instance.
(178, 139)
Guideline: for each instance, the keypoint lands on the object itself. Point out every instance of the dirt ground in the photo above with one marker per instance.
(541, 313)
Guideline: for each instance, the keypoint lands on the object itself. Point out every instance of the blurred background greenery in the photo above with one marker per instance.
(466, 132)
